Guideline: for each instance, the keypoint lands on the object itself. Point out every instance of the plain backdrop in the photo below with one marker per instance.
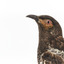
(19, 34)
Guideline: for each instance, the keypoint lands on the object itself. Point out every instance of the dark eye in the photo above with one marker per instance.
(48, 22)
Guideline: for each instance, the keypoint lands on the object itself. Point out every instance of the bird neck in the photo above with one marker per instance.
(46, 36)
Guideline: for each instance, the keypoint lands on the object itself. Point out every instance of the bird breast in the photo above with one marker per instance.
(53, 51)
(56, 52)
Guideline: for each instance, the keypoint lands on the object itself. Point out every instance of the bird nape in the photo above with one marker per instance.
(51, 42)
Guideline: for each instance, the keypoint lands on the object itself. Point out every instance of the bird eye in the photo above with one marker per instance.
(48, 21)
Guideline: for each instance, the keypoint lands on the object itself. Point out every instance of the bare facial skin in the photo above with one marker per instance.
(46, 23)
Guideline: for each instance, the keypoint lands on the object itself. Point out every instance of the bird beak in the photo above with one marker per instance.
(33, 17)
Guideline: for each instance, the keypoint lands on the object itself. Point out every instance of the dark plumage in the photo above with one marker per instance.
(51, 42)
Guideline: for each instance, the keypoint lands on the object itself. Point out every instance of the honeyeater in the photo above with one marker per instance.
(51, 41)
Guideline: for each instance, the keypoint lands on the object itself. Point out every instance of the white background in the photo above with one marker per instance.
(18, 34)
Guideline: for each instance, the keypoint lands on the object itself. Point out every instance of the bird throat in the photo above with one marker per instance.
(44, 41)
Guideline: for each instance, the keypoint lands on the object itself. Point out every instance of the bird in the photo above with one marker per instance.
(51, 42)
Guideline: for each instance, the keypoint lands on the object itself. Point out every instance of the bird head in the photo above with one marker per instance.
(48, 24)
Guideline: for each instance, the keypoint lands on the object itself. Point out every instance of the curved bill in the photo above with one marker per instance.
(33, 17)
